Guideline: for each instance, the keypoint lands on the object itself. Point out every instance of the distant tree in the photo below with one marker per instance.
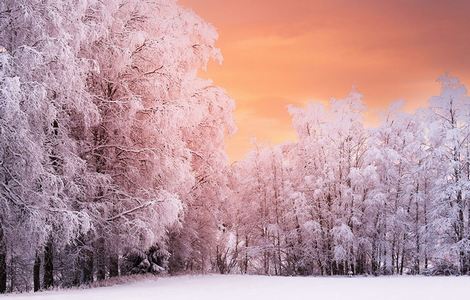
(448, 144)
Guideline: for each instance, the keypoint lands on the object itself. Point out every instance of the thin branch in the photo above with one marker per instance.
(145, 205)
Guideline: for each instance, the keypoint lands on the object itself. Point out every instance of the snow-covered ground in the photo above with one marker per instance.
(261, 287)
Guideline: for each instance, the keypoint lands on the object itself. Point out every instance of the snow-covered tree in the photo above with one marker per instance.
(448, 138)
(385, 200)
(157, 120)
(45, 107)
(102, 106)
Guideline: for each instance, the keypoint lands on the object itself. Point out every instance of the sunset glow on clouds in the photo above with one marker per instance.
(288, 52)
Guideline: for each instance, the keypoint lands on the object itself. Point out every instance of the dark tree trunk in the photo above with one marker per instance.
(402, 263)
(100, 260)
(48, 280)
(88, 267)
(12, 273)
(360, 264)
(114, 265)
(37, 273)
(3, 263)
(246, 255)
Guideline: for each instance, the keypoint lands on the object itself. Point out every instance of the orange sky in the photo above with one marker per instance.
(288, 52)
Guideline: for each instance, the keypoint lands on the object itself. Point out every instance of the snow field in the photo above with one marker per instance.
(239, 287)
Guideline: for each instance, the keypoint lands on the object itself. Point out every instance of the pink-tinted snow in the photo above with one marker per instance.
(212, 287)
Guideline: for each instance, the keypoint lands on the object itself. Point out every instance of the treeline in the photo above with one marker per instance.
(346, 199)
(111, 147)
